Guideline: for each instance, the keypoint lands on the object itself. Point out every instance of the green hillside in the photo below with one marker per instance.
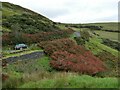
(107, 26)
(87, 60)
(108, 30)
(18, 18)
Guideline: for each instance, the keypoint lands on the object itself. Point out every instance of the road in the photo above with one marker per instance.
(34, 55)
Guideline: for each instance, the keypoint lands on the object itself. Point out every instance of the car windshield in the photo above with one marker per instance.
(19, 45)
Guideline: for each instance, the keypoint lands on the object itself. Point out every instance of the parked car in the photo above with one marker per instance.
(20, 46)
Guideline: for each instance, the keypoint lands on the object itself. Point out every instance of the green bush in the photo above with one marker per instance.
(112, 44)
(84, 38)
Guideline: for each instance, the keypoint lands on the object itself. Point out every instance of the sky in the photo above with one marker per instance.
(73, 11)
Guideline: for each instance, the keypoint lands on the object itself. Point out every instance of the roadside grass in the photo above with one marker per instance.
(73, 81)
(20, 53)
(29, 66)
(46, 79)
(25, 71)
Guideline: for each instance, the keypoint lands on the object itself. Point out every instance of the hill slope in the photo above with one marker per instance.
(16, 17)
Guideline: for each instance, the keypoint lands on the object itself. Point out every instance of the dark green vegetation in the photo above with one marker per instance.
(64, 51)
(16, 18)
(112, 44)
(83, 38)
(21, 25)
(28, 23)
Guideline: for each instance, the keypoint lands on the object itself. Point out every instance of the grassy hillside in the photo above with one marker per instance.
(69, 61)
(107, 30)
(107, 26)
(109, 35)
(20, 25)
(18, 18)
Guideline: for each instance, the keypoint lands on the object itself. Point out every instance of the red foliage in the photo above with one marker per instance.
(86, 63)
(4, 64)
(4, 77)
(9, 38)
(67, 55)
(6, 39)
(56, 45)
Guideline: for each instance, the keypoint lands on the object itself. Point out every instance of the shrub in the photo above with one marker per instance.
(112, 44)
(86, 63)
(92, 27)
(60, 44)
(6, 39)
(19, 37)
(68, 56)
(84, 38)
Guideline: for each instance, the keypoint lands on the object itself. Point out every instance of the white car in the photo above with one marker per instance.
(20, 46)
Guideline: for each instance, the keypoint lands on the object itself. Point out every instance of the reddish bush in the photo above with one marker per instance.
(4, 77)
(86, 63)
(12, 38)
(56, 45)
(67, 55)
(6, 39)
(4, 64)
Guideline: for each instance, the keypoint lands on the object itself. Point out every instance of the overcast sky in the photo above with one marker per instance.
(73, 11)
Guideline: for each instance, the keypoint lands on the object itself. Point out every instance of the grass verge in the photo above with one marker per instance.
(73, 81)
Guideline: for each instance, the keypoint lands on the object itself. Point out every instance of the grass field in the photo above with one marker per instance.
(106, 26)
(39, 74)
(96, 47)
(108, 35)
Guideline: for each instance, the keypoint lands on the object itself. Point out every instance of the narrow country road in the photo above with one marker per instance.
(34, 55)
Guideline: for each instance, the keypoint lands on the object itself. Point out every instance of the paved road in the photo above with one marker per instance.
(30, 56)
